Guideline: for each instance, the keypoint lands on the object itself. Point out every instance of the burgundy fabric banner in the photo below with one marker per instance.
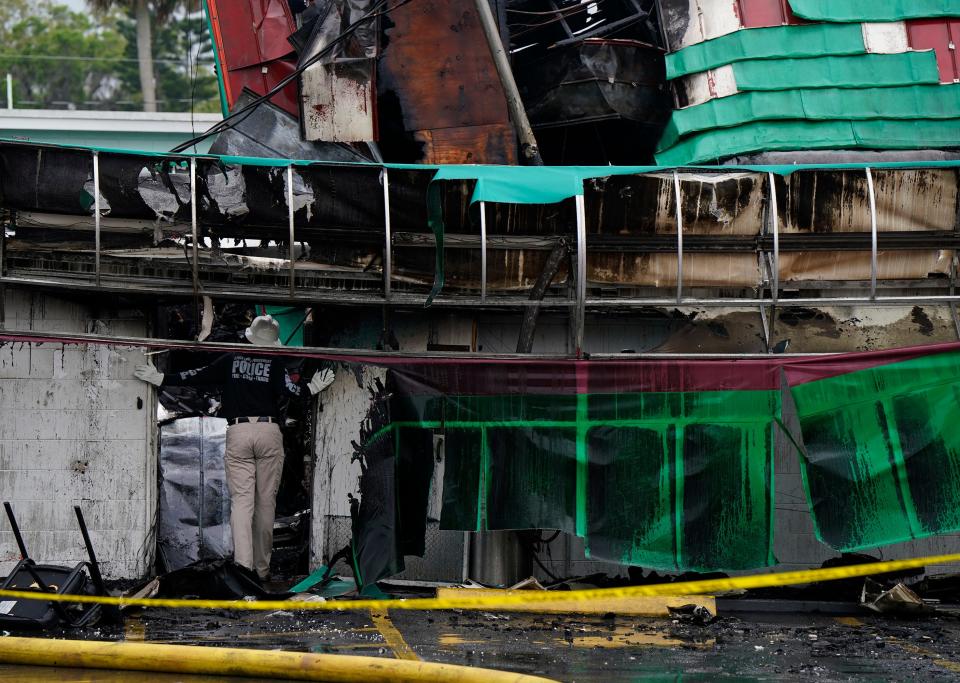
(809, 369)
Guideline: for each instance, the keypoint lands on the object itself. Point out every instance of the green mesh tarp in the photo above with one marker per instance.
(791, 135)
(291, 321)
(882, 451)
(858, 11)
(862, 71)
(681, 481)
(777, 42)
(909, 102)
(665, 480)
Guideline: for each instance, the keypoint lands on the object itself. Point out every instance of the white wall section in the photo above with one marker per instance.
(76, 429)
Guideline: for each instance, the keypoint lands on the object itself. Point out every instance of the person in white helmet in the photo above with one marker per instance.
(252, 388)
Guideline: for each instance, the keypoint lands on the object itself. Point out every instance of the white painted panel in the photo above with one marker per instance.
(689, 22)
(708, 85)
(886, 38)
(337, 105)
(717, 18)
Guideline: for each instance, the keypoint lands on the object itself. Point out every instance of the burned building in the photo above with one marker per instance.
(595, 349)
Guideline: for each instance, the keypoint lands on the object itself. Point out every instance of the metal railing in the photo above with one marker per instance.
(768, 297)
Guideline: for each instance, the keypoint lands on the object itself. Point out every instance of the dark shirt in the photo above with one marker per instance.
(252, 385)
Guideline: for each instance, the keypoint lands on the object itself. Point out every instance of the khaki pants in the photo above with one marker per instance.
(253, 464)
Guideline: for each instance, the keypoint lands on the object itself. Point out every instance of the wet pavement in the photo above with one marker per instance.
(746, 647)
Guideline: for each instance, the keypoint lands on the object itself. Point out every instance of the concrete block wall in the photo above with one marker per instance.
(76, 429)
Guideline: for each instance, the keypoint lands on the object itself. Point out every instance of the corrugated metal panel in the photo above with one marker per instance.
(940, 35)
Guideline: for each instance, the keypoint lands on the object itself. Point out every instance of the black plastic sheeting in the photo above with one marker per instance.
(270, 132)
(194, 505)
(214, 580)
(387, 524)
(331, 201)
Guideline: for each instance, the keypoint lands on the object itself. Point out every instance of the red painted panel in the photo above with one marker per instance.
(940, 35)
(259, 82)
(758, 13)
(252, 46)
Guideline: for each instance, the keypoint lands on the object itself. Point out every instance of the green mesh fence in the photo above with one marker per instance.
(882, 456)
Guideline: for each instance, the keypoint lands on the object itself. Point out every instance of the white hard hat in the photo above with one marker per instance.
(264, 331)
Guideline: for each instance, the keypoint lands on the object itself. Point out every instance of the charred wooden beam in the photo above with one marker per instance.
(529, 324)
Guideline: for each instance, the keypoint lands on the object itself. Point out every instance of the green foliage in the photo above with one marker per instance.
(57, 57)
(160, 10)
(177, 44)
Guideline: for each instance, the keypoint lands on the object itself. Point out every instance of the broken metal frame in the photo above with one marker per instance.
(598, 31)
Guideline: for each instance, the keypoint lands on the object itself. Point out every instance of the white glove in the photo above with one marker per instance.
(321, 381)
(148, 374)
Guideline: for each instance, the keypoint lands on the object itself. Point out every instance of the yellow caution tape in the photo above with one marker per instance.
(504, 603)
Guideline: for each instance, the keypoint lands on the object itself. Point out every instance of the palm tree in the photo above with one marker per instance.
(144, 13)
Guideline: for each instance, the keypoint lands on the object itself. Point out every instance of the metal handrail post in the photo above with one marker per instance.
(96, 215)
(194, 229)
(676, 194)
(292, 237)
(775, 228)
(483, 252)
(873, 235)
(581, 289)
(773, 207)
(387, 238)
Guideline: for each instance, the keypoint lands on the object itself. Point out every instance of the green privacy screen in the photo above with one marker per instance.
(823, 104)
(882, 450)
(662, 479)
(858, 11)
(777, 42)
(791, 135)
(861, 71)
